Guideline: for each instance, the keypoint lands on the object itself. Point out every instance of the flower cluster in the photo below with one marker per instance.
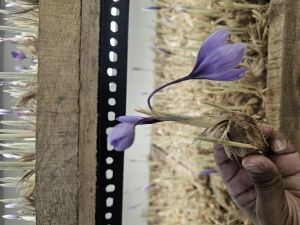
(217, 60)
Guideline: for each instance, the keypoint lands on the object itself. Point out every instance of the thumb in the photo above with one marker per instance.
(271, 204)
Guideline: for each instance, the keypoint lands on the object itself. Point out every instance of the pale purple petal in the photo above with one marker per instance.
(148, 186)
(8, 5)
(11, 206)
(19, 68)
(129, 119)
(11, 156)
(214, 41)
(151, 8)
(18, 55)
(165, 51)
(230, 75)
(138, 120)
(10, 217)
(4, 111)
(221, 59)
(208, 171)
(122, 136)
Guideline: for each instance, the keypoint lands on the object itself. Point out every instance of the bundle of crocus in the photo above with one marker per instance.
(217, 61)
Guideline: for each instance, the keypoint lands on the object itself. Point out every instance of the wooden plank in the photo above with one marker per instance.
(283, 79)
(57, 113)
(88, 111)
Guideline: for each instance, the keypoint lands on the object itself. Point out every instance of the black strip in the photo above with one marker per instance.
(103, 108)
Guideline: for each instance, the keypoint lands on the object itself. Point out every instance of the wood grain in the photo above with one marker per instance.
(58, 113)
(88, 111)
(283, 79)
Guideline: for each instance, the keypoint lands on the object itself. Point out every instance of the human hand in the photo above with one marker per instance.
(267, 189)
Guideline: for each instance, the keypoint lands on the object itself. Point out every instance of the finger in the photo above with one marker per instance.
(287, 164)
(280, 143)
(236, 180)
(267, 130)
(271, 199)
(234, 176)
(292, 184)
(226, 167)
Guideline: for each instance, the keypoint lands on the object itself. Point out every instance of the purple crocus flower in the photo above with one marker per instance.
(18, 55)
(122, 135)
(216, 60)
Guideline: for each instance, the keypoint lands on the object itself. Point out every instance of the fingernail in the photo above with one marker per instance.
(279, 145)
(254, 168)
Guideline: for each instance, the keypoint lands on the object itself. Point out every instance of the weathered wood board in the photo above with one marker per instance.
(67, 112)
(88, 111)
(283, 80)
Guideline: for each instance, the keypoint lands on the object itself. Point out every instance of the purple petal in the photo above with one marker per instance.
(165, 51)
(11, 206)
(19, 68)
(18, 55)
(150, 8)
(214, 41)
(148, 186)
(8, 5)
(11, 156)
(230, 75)
(129, 119)
(4, 111)
(138, 120)
(208, 171)
(10, 217)
(122, 136)
(221, 59)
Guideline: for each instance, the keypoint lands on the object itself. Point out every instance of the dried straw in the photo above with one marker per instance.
(180, 195)
(21, 20)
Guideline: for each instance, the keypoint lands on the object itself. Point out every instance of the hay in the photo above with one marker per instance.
(22, 17)
(179, 194)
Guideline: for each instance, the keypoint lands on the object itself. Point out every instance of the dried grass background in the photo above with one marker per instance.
(180, 195)
(21, 20)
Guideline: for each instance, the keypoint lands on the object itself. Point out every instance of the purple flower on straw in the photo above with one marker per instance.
(18, 55)
(8, 5)
(148, 186)
(122, 135)
(216, 60)
(207, 172)
(4, 111)
(11, 206)
(19, 68)
(150, 8)
(10, 217)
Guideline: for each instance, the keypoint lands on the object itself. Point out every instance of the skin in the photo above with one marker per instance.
(266, 188)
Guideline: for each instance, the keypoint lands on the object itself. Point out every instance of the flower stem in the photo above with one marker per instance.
(165, 85)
